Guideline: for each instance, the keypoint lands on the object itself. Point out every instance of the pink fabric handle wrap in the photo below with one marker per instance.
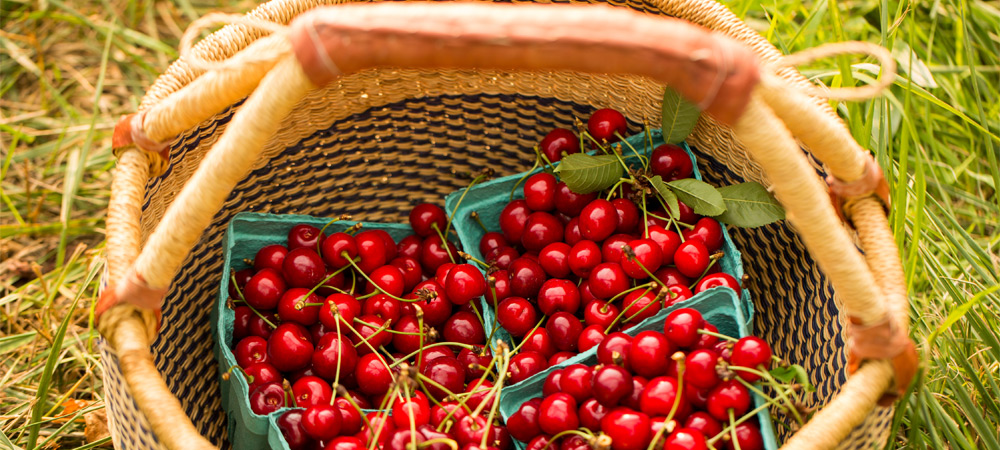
(707, 68)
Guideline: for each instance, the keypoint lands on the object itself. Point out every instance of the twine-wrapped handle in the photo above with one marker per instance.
(707, 68)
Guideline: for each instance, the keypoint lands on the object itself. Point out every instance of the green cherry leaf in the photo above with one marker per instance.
(669, 198)
(679, 117)
(749, 205)
(699, 195)
(783, 374)
(585, 173)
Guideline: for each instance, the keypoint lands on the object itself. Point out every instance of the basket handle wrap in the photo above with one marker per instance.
(862, 291)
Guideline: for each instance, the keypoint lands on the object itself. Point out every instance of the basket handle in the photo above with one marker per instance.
(460, 36)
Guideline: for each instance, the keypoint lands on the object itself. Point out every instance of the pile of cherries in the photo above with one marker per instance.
(673, 389)
(566, 269)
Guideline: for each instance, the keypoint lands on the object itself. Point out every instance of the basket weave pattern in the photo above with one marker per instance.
(374, 143)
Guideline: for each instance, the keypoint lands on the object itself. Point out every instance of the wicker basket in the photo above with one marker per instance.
(375, 141)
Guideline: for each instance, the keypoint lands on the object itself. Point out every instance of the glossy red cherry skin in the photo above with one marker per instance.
(718, 279)
(554, 259)
(703, 422)
(612, 384)
(373, 375)
(685, 439)
(517, 316)
(345, 442)
(541, 442)
(611, 248)
(726, 396)
(293, 307)
(380, 424)
(290, 424)
(448, 373)
(265, 289)
(425, 216)
(615, 349)
(334, 246)
(751, 351)
(607, 280)
(557, 413)
(659, 396)
(270, 257)
(290, 347)
(389, 279)
(500, 283)
(607, 125)
(671, 162)
(640, 305)
(569, 202)
(311, 390)
(591, 412)
(564, 329)
(598, 220)
(670, 276)
(464, 327)
(502, 257)
(415, 407)
(404, 438)
(303, 268)
(558, 296)
(512, 220)
(525, 364)
(523, 424)
(350, 417)
(321, 422)
(475, 361)
(526, 277)
(748, 436)
(329, 349)
(241, 279)
(687, 214)
(628, 215)
(584, 256)
(343, 304)
(646, 254)
(691, 258)
(667, 240)
(540, 192)
(553, 382)
(434, 254)
(305, 235)
(251, 350)
(538, 340)
(556, 143)
(628, 429)
(267, 398)
(572, 234)
(601, 313)
(371, 250)
(369, 329)
(409, 247)
(464, 283)
(540, 230)
(676, 293)
(681, 327)
(700, 369)
(259, 374)
(590, 337)
(650, 353)
(490, 241)
(448, 411)
(709, 231)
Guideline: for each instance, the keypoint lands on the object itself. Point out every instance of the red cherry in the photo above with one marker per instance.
(346, 305)
(557, 142)
(409, 337)
(384, 307)
(558, 295)
(601, 313)
(591, 412)
(553, 382)
(638, 386)
(270, 257)
(345, 443)
(558, 413)
(425, 216)
(448, 374)
(577, 381)
(628, 429)
(584, 256)
(748, 436)
(331, 348)
(640, 305)
(572, 233)
(429, 354)
(411, 269)
(728, 395)
(503, 257)
(303, 268)
(668, 242)
(409, 247)
(379, 424)
(464, 327)
(681, 327)
(598, 220)
(564, 329)
(590, 337)
(628, 215)
(646, 253)
(649, 354)
(541, 442)
(525, 364)
(554, 258)
(512, 220)
(538, 340)
(490, 241)
(258, 327)
(289, 347)
(415, 408)
(242, 315)
(691, 258)
(716, 280)
(607, 125)
(574, 442)
(293, 307)
(475, 361)
(560, 357)
(251, 350)
(607, 280)
(430, 433)
(687, 214)
(389, 279)
(540, 230)
(433, 253)
(526, 277)
(699, 369)
(612, 384)
(404, 439)
(335, 245)
(659, 396)
(671, 162)
(265, 289)
(321, 422)
(677, 293)
(267, 398)
(685, 439)
(611, 248)
(615, 349)
(370, 329)
(259, 374)
(670, 276)
(290, 424)
(470, 430)
(463, 283)
(500, 281)
(523, 424)
(350, 417)
(517, 316)
(569, 202)
(540, 192)
(304, 235)
(373, 375)
(751, 351)
(709, 231)
(449, 411)
(703, 422)
(312, 390)
(707, 341)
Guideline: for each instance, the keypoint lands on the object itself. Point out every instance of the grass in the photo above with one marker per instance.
(69, 69)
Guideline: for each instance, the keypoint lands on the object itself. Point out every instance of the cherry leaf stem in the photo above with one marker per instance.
(491, 281)
(711, 262)
(388, 330)
(381, 423)
(640, 311)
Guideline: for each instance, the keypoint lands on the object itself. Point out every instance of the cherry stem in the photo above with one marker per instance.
(237, 368)
(245, 302)
(640, 311)
(424, 347)
(733, 425)
(475, 216)
(387, 330)
(331, 275)
(469, 257)
(491, 281)
(379, 288)
(611, 191)
(732, 430)
(449, 442)
(448, 392)
(599, 145)
(624, 308)
(342, 391)
(630, 254)
(711, 262)
(645, 219)
(486, 174)
(679, 357)
(584, 433)
(649, 141)
(391, 398)
(513, 189)
(618, 155)
(718, 335)
(364, 340)
(336, 323)
(493, 396)
(642, 159)
(541, 156)
(781, 394)
(319, 242)
(444, 241)
(475, 311)
(527, 335)
(406, 399)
